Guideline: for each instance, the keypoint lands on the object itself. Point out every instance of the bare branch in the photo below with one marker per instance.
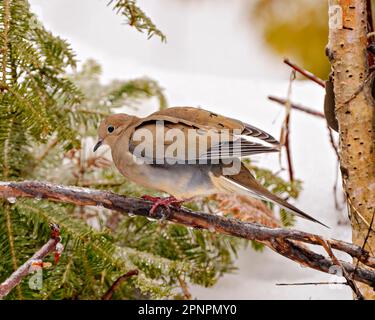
(311, 283)
(285, 130)
(319, 81)
(24, 270)
(309, 111)
(282, 241)
(305, 73)
(108, 295)
(333, 143)
(284, 102)
(185, 288)
(367, 236)
(51, 144)
(299, 107)
(348, 278)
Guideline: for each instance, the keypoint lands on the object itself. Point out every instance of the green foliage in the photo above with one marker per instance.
(207, 254)
(136, 18)
(287, 219)
(139, 89)
(33, 87)
(48, 112)
(296, 29)
(257, 246)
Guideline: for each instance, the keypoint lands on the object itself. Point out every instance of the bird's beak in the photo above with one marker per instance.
(98, 144)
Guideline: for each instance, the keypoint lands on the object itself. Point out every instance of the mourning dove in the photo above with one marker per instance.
(188, 152)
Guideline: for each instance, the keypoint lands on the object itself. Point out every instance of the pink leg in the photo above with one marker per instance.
(166, 202)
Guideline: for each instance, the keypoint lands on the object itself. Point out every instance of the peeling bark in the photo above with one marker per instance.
(347, 52)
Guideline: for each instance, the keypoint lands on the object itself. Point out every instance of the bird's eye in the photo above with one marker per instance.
(111, 129)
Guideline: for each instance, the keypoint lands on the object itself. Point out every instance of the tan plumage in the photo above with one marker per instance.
(198, 168)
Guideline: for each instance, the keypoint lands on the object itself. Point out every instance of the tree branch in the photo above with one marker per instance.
(108, 295)
(299, 107)
(184, 288)
(311, 283)
(309, 111)
(24, 270)
(282, 241)
(347, 276)
(354, 110)
(285, 130)
(305, 73)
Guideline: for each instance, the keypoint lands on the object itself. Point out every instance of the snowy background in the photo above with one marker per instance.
(213, 59)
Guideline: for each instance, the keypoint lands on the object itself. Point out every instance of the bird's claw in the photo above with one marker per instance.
(165, 202)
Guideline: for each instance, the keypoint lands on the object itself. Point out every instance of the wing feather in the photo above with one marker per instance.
(206, 125)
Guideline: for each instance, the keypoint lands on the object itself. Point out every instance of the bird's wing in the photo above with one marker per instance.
(236, 149)
(245, 183)
(203, 117)
(173, 135)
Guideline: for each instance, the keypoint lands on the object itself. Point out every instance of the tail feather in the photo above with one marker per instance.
(245, 183)
(289, 207)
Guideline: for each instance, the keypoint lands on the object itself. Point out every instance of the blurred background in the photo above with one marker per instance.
(226, 56)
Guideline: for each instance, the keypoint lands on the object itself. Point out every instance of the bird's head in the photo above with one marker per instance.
(111, 127)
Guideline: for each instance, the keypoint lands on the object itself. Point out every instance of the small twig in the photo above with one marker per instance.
(345, 274)
(305, 73)
(319, 81)
(184, 288)
(51, 144)
(108, 295)
(288, 153)
(17, 276)
(310, 283)
(309, 111)
(335, 148)
(298, 107)
(318, 114)
(333, 143)
(366, 238)
(285, 130)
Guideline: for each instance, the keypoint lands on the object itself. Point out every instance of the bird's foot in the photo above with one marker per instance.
(165, 202)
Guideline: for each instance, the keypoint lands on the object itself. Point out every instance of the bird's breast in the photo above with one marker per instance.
(179, 180)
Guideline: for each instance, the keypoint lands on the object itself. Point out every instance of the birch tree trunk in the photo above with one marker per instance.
(348, 29)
